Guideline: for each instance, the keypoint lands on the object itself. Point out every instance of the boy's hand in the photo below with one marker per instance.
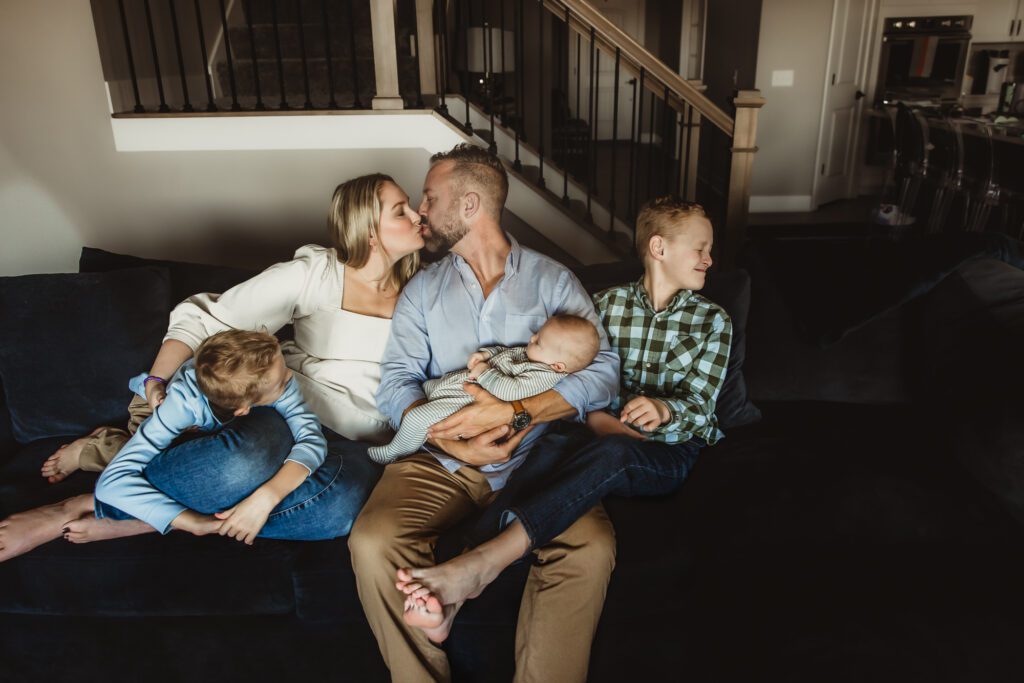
(605, 424)
(196, 524)
(156, 392)
(244, 521)
(646, 413)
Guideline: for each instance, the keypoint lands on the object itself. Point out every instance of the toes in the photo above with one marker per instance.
(405, 574)
(433, 604)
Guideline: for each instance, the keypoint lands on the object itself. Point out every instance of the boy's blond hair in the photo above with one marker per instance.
(231, 366)
(663, 216)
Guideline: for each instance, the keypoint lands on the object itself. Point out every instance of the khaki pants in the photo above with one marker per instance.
(102, 446)
(417, 499)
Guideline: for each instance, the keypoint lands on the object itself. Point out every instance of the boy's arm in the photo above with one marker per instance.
(692, 403)
(123, 484)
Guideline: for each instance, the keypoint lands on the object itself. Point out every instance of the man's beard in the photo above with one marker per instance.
(445, 234)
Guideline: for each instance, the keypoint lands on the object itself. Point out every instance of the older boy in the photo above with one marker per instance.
(674, 348)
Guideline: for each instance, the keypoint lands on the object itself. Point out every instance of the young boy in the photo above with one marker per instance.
(564, 344)
(674, 347)
(231, 373)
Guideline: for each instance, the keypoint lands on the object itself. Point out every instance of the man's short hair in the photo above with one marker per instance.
(585, 340)
(476, 169)
(663, 216)
(231, 366)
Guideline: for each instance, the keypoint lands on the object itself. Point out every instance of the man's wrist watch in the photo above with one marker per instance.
(520, 418)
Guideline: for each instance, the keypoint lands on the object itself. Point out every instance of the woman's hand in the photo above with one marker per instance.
(603, 423)
(646, 413)
(244, 521)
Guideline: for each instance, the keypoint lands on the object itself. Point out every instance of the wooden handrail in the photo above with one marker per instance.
(587, 16)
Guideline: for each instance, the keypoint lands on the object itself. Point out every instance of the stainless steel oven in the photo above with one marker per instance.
(923, 59)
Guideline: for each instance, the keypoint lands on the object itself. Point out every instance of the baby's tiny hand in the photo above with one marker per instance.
(477, 357)
(478, 369)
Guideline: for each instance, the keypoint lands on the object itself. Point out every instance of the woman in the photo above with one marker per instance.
(340, 301)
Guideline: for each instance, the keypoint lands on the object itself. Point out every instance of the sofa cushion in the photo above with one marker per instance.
(731, 291)
(186, 278)
(70, 342)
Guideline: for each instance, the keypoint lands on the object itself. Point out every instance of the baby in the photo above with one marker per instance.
(564, 344)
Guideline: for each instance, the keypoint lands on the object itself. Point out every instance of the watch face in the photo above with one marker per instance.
(521, 421)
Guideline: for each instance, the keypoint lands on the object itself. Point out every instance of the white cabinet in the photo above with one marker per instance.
(998, 21)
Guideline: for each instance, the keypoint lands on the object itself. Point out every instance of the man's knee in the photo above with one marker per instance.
(592, 542)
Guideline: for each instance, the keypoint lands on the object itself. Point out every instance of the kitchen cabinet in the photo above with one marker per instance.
(998, 21)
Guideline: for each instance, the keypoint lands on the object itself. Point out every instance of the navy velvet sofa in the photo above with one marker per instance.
(867, 528)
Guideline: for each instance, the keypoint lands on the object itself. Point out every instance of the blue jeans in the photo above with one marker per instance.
(216, 470)
(565, 474)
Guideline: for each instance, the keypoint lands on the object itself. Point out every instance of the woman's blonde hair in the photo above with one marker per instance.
(354, 220)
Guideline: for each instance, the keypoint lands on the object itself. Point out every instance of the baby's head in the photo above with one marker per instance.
(568, 343)
(239, 369)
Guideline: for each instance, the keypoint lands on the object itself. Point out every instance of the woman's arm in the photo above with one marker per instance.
(170, 357)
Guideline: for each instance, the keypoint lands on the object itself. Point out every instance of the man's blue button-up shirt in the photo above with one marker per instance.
(442, 317)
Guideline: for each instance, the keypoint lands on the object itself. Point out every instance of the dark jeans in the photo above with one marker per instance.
(567, 473)
(214, 471)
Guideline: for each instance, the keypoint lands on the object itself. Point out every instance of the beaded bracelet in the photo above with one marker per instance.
(153, 378)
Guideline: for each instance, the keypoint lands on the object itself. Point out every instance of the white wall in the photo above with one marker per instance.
(794, 37)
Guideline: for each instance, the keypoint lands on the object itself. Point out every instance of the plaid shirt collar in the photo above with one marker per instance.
(639, 293)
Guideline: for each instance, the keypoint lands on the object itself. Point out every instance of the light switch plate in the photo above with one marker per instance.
(782, 79)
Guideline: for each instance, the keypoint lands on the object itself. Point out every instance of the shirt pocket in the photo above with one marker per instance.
(519, 328)
(683, 354)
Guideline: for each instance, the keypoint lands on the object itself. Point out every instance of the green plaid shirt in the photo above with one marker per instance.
(678, 355)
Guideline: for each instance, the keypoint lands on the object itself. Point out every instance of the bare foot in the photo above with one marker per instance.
(460, 579)
(430, 616)
(87, 529)
(24, 531)
(65, 459)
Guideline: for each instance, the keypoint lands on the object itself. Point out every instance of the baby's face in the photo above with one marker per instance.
(548, 345)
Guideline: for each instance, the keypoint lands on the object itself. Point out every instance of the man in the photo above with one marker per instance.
(487, 291)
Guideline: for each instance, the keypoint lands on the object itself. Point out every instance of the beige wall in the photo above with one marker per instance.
(794, 36)
(62, 184)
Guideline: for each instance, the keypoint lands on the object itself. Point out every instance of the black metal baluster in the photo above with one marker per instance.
(517, 23)
(302, 50)
(358, 103)
(156, 59)
(131, 61)
(638, 119)
(468, 125)
(563, 52)
(441, 56)
(492, 146)
(649, 189)
(419, 85)
(521, 88)
(187, 106)
(501, 27)
(540, 91)
(280, 62)
(666, 142)
(231, 63)
(255, 63)
(689, 146)
(615, 143)
(210, 106)
(579, 54)
(590, 125)
(597, 114)
(331, 102)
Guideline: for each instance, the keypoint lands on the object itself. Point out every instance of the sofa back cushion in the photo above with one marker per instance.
(70, 342)
(731, 291)
(186, 278)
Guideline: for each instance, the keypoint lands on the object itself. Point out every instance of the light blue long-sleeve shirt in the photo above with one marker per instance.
(123, 484)
(442, 317)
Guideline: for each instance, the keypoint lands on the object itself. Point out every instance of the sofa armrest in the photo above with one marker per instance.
(7, 442)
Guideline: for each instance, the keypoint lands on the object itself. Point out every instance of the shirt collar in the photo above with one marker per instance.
(640, 293)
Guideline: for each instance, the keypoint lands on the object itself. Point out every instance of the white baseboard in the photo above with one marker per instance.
(782, 202)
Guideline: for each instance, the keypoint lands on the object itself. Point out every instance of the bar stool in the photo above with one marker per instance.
(986, 191)
(951, 181)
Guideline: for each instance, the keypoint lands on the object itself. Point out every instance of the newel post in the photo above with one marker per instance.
(744, 147)
(385, 55)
